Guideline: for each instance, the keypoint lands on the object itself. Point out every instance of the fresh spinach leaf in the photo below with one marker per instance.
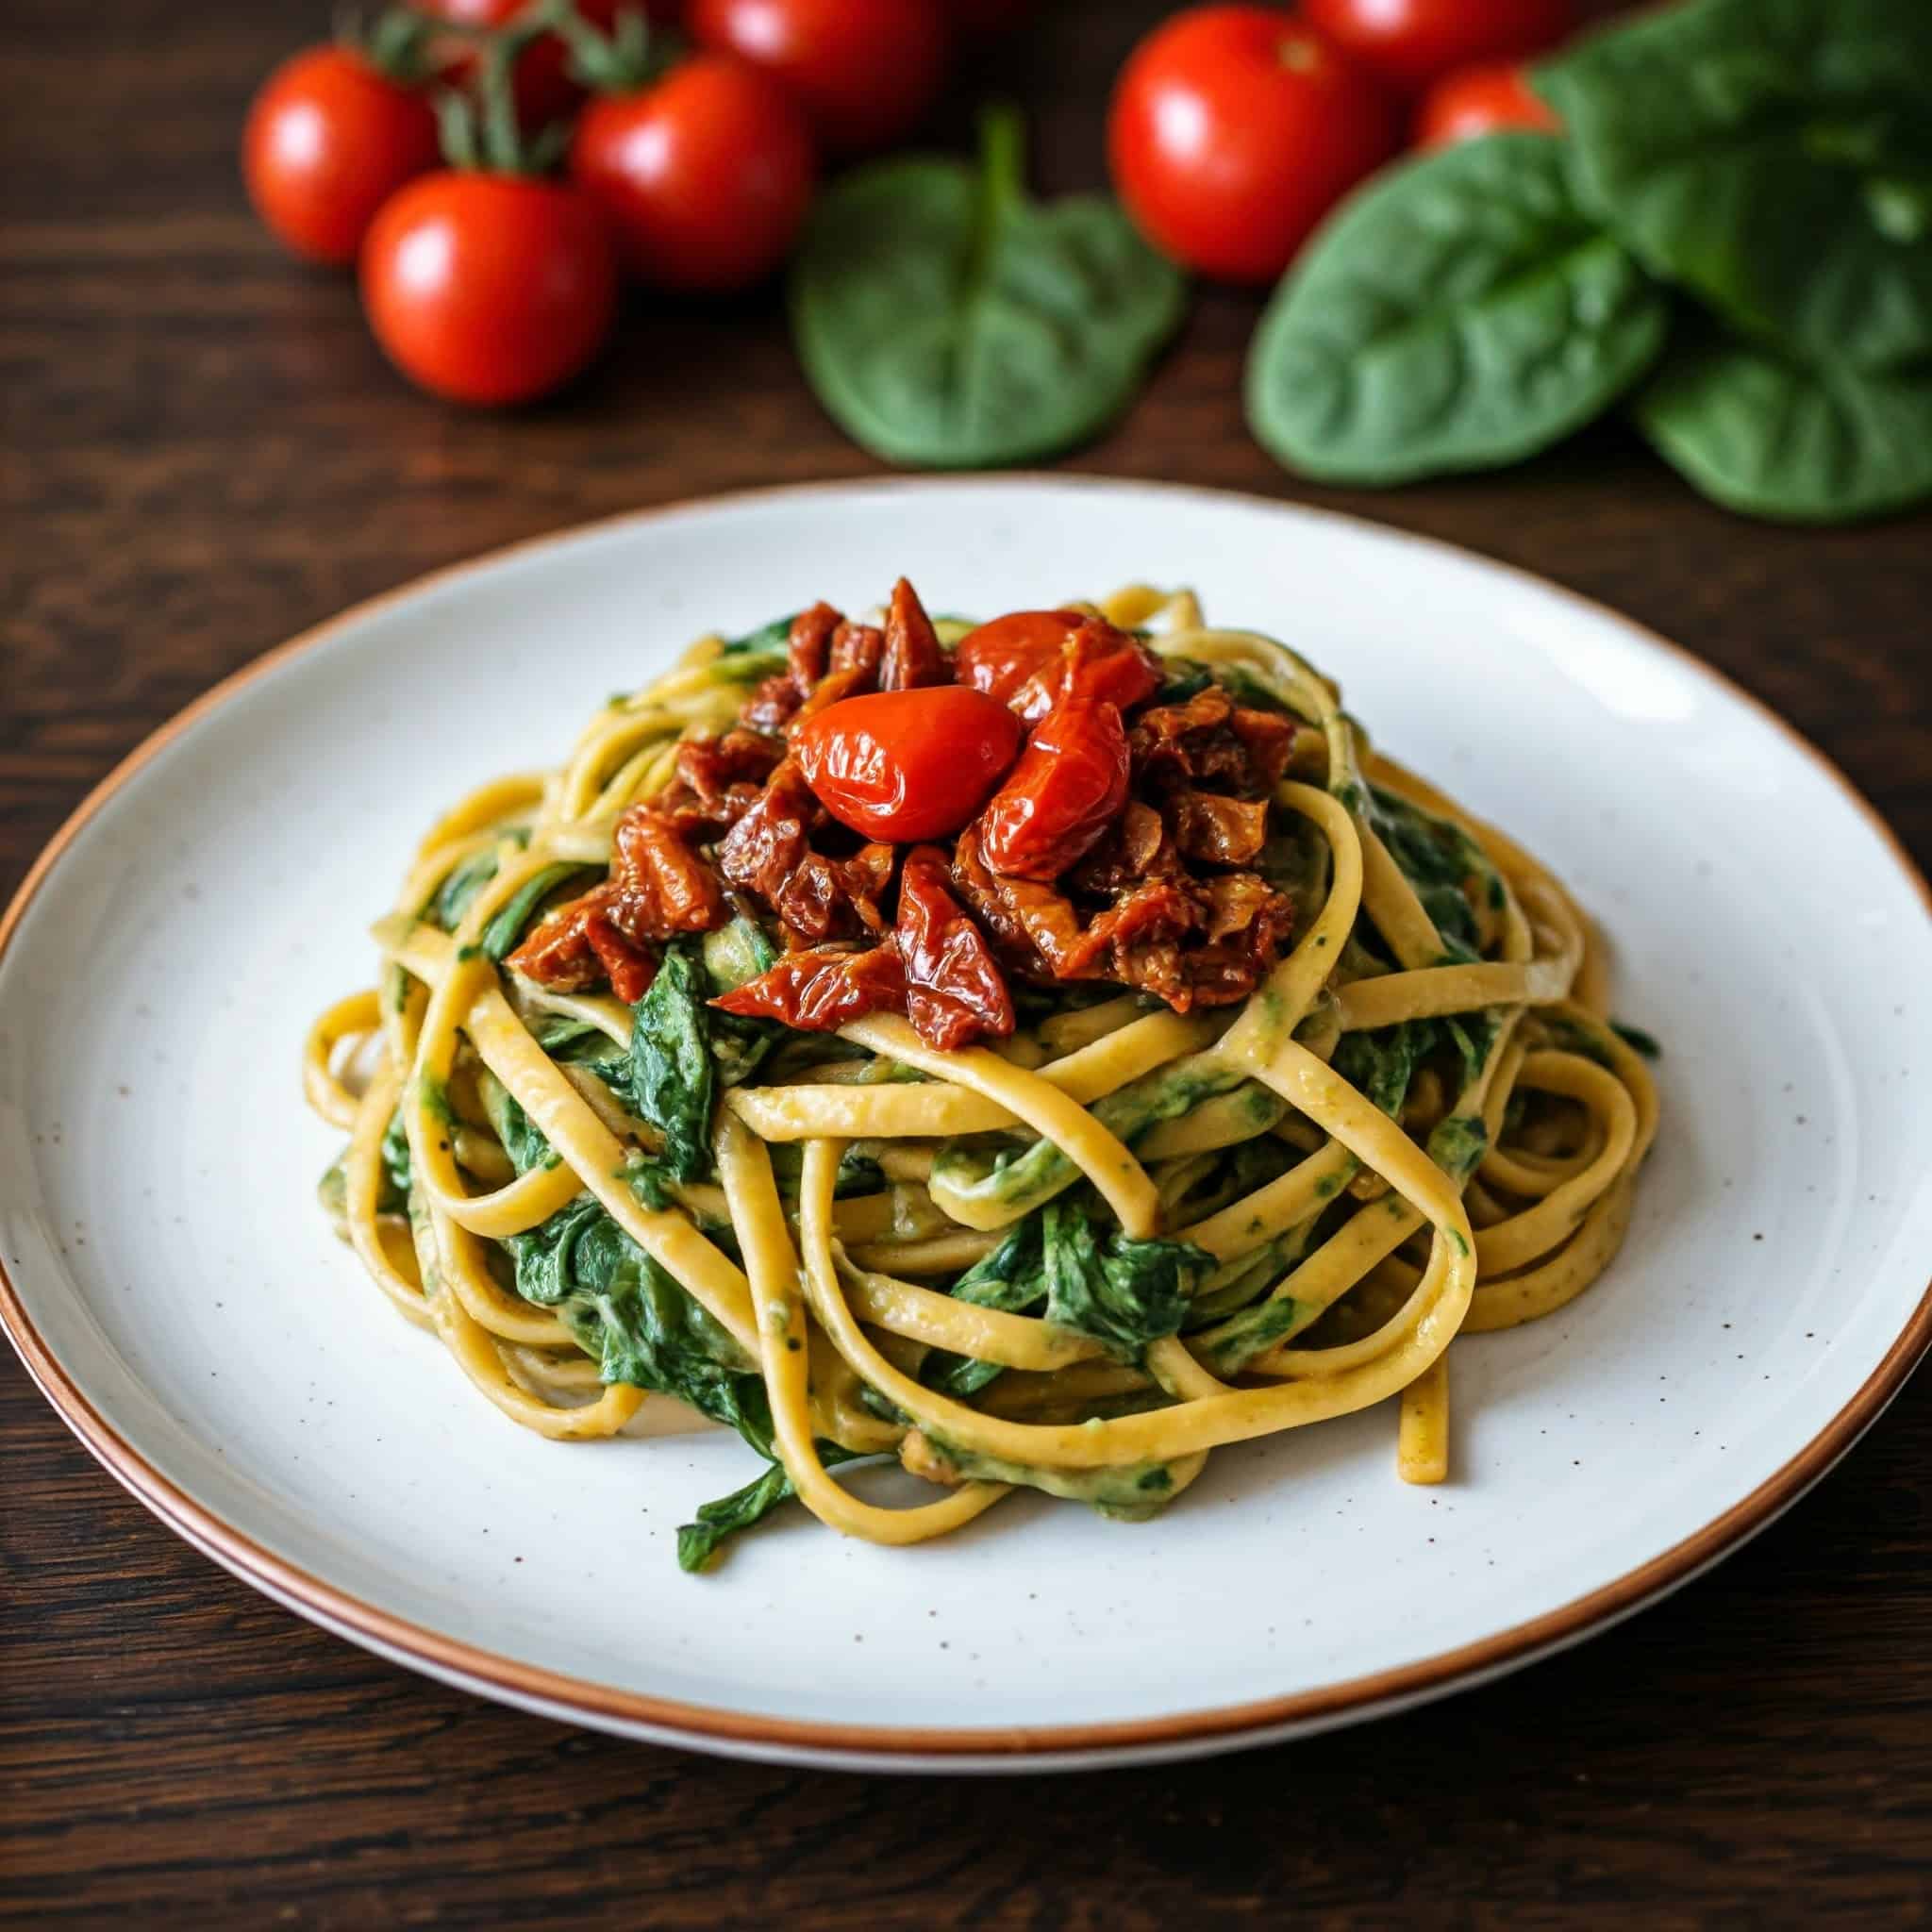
(1460, 312)
(1124, 1293)
(1772, 156)
(673, 1080)
(945, 318)
(1769, 433)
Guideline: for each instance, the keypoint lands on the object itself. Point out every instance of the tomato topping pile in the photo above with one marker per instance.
(919, 824)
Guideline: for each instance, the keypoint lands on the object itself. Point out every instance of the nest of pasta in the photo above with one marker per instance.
(1163, 1067)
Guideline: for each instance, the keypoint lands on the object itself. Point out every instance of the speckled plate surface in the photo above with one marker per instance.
(174, 1289)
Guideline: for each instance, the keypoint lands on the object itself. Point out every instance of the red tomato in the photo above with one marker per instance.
(904, 765)
(488, 288)
(329, 140)
(541, 83)
(1234, 130)
(704, 175)
(866, 71)
(1069, 786)
(1481, 100)
(1025, 660)
(1408, 43)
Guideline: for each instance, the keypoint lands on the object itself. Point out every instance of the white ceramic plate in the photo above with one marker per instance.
(175, 1292)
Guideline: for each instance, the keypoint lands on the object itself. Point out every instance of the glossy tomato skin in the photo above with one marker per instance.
(865, 71)
(327, 140)
(705, 177)
(907, 765)
(1028, 658)
(1481, 100)
(1411, 42)
(540, 83)
(1068, 787)
(489, 288)
(1234, 130)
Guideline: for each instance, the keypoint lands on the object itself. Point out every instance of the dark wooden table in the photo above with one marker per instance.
(204, 453)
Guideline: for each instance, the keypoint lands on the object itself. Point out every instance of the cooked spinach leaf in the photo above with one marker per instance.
(1439, 859)
(1772, 156)
(673, 1081)
(945, 318)
(1124, 1293)
(395, 1165)
(732, 955)
(1011, 1277)
(773, 636)
(699, 1542)
(1382, 1062)
(1773, 434)
(506, 926)
(1637, 1040)
(1460, 312)
(454, 895)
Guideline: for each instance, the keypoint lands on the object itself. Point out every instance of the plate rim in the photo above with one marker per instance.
(719, 1728)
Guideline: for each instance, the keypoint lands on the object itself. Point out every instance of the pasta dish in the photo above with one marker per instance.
(1037, 1052)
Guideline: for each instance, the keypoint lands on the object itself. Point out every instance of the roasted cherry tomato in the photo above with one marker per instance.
(1234, 130)
(866, 71)
(329, 140)
(1481, 100)
(1026, 660)
(540, 83)
(1069, 786)
(488, 288)
(902, 765)
(704, 175)
(1408, 43)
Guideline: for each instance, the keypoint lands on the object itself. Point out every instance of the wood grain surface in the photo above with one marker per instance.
(204, 453)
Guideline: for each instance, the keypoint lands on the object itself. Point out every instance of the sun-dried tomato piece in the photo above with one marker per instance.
(807, 644)
(710, 766)
(820, 989)
(772, 705)
(1223, 831)
(557, 951)
(1137, 846)
(1035, 926)
(762, 850)
(1212, 739)
(912, 655)
(955, 993)
(1069, 786)
(630, 968)
(659, 886)
(859, 647)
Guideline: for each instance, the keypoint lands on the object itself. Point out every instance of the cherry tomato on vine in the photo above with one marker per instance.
(541, 83)
(1481, 100)
(488, 288)
(865, 71)
(329, 138)
(1234, 130)
(1409, 42)
(901, 765)
(705, 174)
